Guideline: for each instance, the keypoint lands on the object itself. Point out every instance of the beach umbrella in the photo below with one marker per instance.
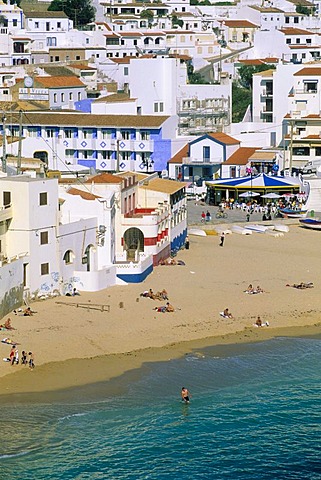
(271, 195)
(249, 194)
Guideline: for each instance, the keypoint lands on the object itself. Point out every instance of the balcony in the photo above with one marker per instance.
(267, 93)
(201, 161)
(6, 213)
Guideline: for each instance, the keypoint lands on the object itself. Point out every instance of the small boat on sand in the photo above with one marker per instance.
(281, 228)
(241, 230)
(290, 213)
(313, 223)
(197, 231)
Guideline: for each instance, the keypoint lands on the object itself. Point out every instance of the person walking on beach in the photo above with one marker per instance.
(203, 217)
(222, 238)
(185, 395)
(31, 361)
(12, 354)
(24, 358)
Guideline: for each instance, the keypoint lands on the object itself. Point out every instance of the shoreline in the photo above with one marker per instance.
(112, 367)
(77, 346)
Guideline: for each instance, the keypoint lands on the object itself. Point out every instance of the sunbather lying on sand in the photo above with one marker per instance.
(148, 294)
(166, 308)
(301, 285)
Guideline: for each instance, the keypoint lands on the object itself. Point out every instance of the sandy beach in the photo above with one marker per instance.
(75, 346)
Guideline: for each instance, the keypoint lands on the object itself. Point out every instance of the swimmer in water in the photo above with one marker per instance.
(185, 395)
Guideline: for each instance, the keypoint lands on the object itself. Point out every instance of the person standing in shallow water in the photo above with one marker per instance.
(185, 395)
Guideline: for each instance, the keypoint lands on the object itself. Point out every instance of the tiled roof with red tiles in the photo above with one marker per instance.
(295, 31)
(306, 71)
(60, 82)
(241, 156)
(82, 194)
(178, 157)
(224, 138)
(240, 24)
(104, 178)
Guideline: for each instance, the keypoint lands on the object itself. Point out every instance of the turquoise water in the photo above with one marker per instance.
(254, 414)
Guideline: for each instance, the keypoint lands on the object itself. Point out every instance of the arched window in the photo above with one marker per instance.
(68, 257)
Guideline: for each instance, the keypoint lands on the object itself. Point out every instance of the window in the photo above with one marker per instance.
(125, 134)
(155, 107)
(32, 132)
(288, 41)
(62, 97)
(69, 153)
(56, 58)
(50, 132)
(106, 155)
(126, 71)
(206, 154)
(87, 133)
(58, 24)
(43, 198)
(310, 87)
(297, 40)
(68, 132)
(70, 96)
(77, 57)
(36, 24)
(44, 238)
(296, 19)
(308, 40)
(55, 98)
(301, 151)
(318, 151)
(161, 107)
(122, 42)
(68, 257)
(144, 135)
(287, 19)
(44, 268)
(14, 23)
(79, 96)
(6, 199)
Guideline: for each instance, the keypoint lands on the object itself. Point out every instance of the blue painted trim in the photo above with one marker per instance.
(138, 277)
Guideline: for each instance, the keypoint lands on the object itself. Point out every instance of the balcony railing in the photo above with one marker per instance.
(6, 212)
(201, 161)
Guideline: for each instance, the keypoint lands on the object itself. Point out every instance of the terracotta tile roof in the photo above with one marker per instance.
(178, 32)
(105, 25)
(270, 60)
(306, 71)
(84, 195)
(111, 35)
(295, 31)
(154, 34)
(104, 178)
(80, 119)
(304, 3)
(178, 157)
(164, 186)
(312, 115)
(241, 156)
(224, 138)
(131, 34)
(124, 60)
(58, 82)
(252, 62)
(312, 137)
(239, 24)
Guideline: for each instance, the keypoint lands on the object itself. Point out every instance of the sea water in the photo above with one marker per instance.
(254, 414)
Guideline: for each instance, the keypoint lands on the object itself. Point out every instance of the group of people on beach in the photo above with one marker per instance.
(251, 290)
(301, 286)
(14, 358)
(162, 295)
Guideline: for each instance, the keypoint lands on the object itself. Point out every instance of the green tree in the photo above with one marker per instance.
(241, 99)
(81, 12)
(304, 10)
(246, 73)
(147, 15)
(177, 21)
